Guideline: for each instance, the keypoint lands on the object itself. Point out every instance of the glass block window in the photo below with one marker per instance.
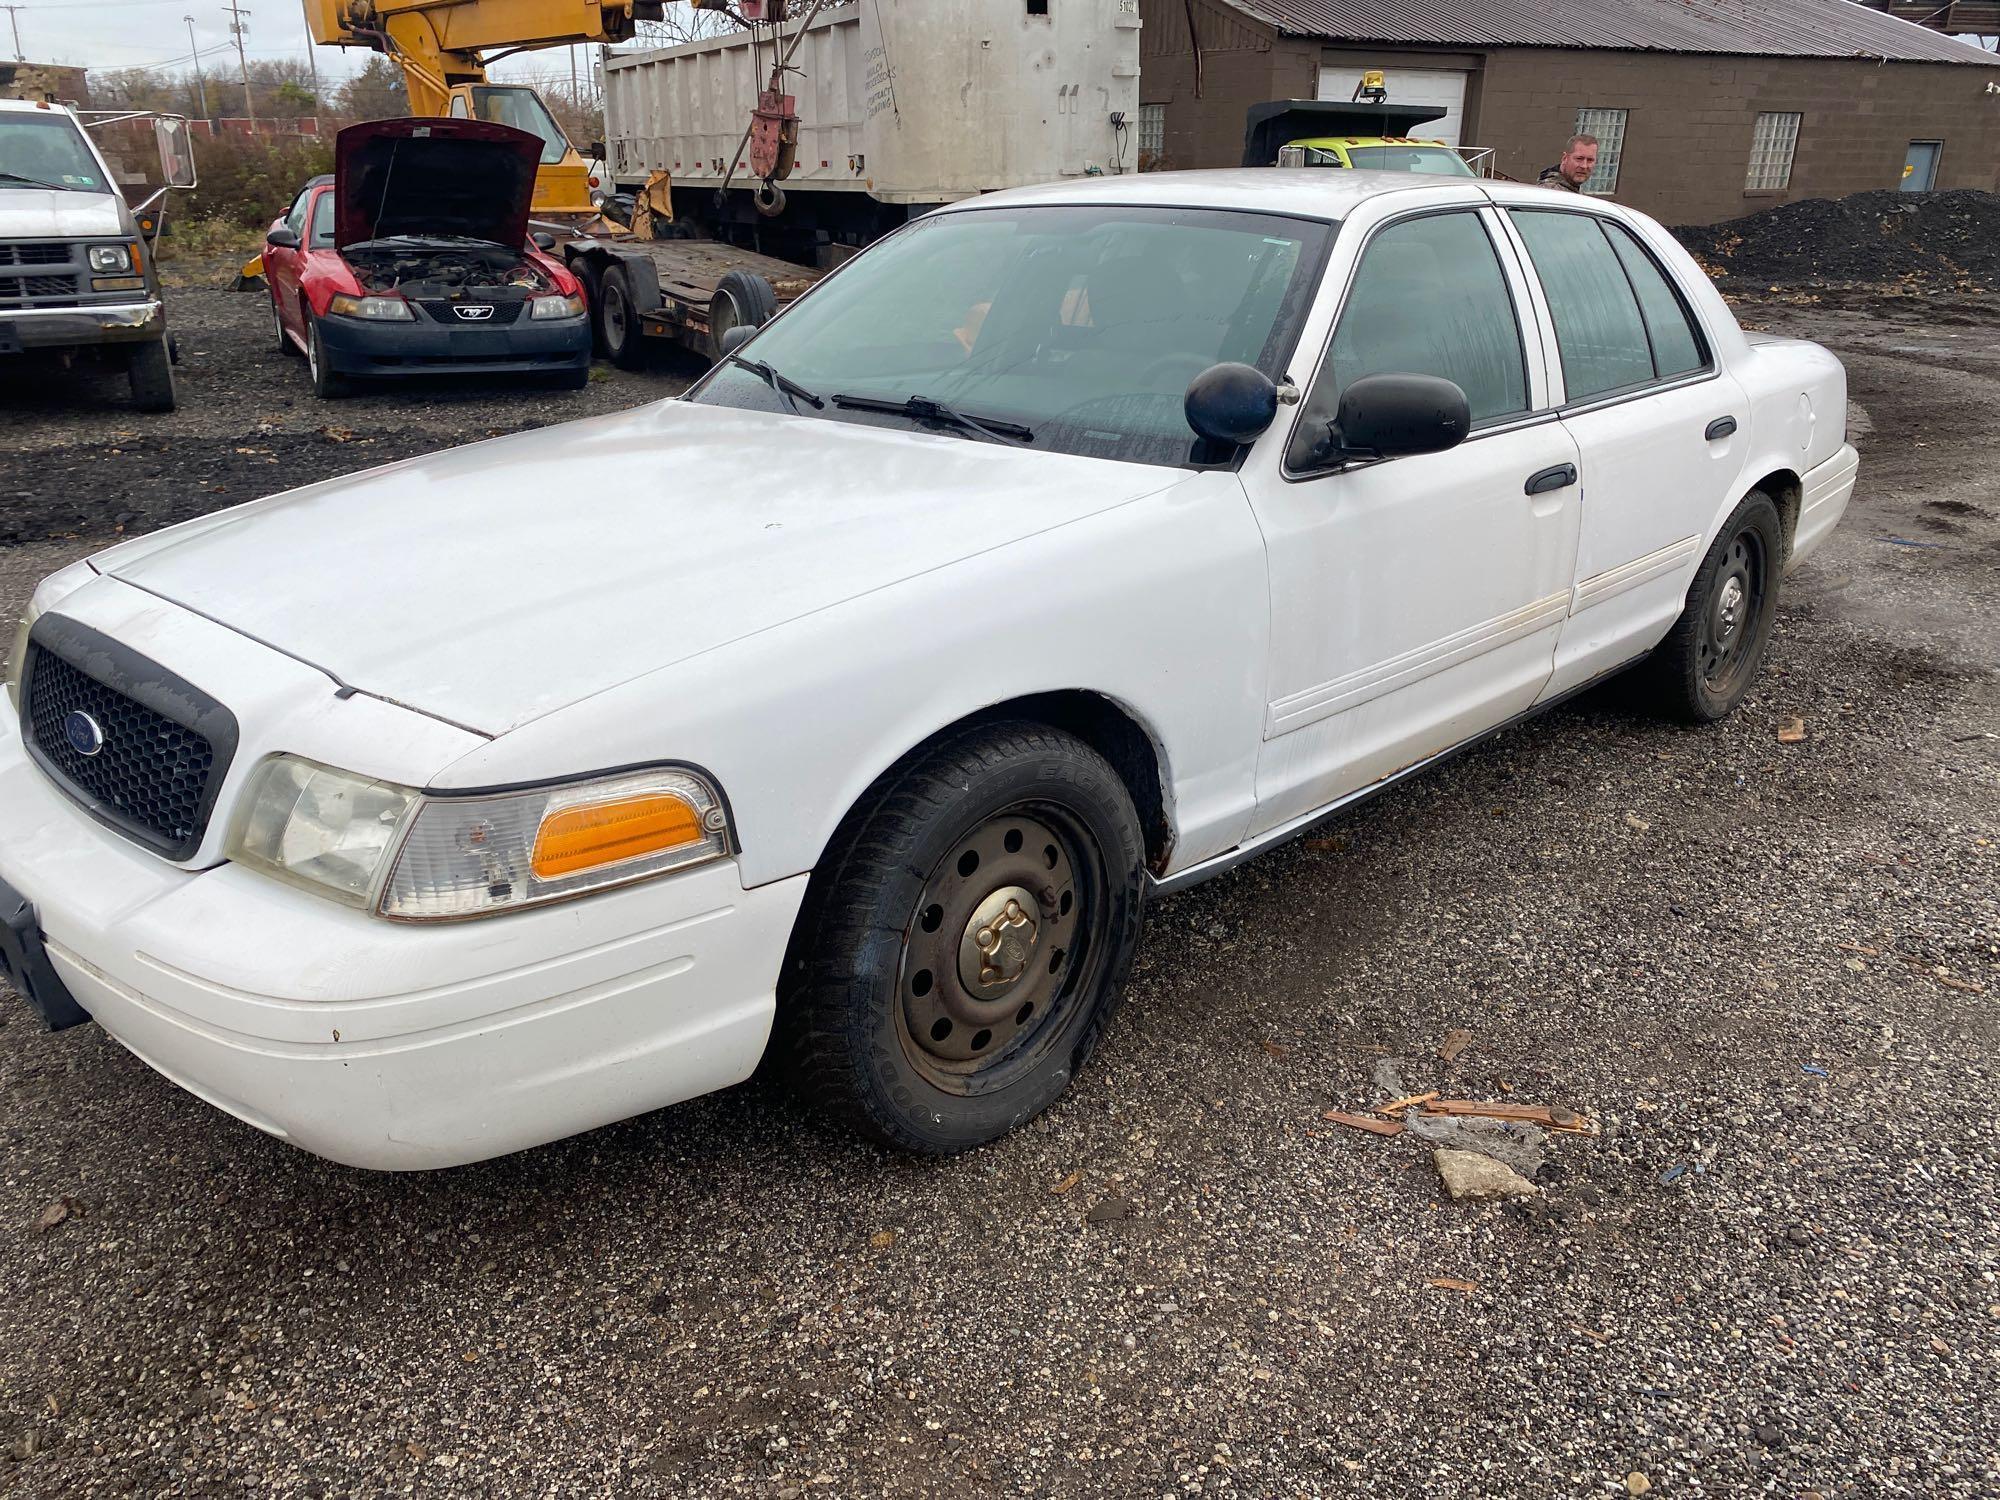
(1152, 134)
(1608, 125)
(1772, 143)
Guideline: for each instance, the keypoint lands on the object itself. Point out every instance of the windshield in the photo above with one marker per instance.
(1441, 160)
(1082, 325)
(47, 148)
(523, 109)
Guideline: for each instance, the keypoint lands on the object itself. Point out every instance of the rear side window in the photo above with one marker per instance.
(1677, 345)
(1429, 298)
(1599, 332)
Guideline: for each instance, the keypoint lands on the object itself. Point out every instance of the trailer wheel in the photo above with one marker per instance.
(742, 299)
(617, 321)
(151, 373)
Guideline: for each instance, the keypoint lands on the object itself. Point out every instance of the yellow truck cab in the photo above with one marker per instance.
(1374, 136)
(562, 178)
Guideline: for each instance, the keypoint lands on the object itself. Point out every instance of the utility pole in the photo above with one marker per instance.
(14, 15)
(240, 29)
(200, 83)
(312, 61)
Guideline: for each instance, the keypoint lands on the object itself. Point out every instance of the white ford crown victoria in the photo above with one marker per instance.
(1070, 545)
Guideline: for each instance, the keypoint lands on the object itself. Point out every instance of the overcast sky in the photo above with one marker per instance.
(154, 33)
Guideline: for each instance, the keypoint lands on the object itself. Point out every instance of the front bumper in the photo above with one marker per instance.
(390, 1045)
(69, 327)
(365, 347)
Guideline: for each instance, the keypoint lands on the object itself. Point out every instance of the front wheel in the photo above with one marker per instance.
(977, 918)
(328, 383)
(151, 373)
(1709, 660)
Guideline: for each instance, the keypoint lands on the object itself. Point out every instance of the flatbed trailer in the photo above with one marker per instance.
(682, 291)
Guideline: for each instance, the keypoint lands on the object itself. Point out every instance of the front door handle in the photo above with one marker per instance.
(1560, 477)
(1720, 428)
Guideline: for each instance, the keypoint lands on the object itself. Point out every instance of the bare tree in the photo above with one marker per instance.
(684, 23)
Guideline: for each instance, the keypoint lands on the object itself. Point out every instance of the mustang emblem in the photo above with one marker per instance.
(472, 312)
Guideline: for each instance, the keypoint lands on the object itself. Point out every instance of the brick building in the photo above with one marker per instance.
(1706, 109)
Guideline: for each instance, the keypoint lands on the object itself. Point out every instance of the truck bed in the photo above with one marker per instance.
(689, 269)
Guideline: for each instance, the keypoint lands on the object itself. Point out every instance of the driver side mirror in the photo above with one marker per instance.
(1392, 416)
(284, 237)
(170, 135)
(733, 339)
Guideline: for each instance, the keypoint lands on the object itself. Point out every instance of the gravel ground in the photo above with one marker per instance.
(1770, 970)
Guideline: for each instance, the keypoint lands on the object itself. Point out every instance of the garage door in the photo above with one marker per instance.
(1408, 86)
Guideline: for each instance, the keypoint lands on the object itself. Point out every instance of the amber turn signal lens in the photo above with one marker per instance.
(603, 833)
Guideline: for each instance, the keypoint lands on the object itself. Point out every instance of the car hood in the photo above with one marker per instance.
(42, 214)
(433, 177)
(492, 584)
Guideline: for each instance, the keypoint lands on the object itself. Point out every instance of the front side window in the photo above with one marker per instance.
(524, 110)
(1429, 298)
(1599, 332)
(47, 150)
(322, 221)
(1083, 325)
(295, 216)
(1608, 125)
(1773, 140)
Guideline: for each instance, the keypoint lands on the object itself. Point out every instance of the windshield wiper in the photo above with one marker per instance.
(784, 385)
(60, 187)
(923, 409)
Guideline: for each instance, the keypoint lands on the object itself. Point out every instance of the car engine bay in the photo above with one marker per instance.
(414, 272)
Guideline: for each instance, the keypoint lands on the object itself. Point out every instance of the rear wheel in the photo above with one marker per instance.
(966, 939)
(328, 383)
(618, 321)
(151, 373)
(1710, 659)
(742, 299)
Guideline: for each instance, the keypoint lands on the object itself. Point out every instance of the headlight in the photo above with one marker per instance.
(17, 656)
(381, 309)
(555, 307)
(423, 858)
(110, 258)
(318, 827)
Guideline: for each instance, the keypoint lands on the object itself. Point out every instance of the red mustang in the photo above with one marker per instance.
(413, 258)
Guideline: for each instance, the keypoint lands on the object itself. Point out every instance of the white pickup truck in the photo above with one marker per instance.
(1068, 546)
(77, 275)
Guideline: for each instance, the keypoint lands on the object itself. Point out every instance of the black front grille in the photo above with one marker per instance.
(34, 255)
(160, 745)
(44, 286)
(440, 311)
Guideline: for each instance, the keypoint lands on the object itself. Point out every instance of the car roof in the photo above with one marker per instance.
(1301, 192)
(325, 179)
(1307, 192)
(22, 106)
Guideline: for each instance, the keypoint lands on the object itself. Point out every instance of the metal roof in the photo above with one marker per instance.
(1756, 28)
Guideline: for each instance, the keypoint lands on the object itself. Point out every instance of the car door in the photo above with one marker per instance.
(1655, 422)
(282, 265)
(1415, 601)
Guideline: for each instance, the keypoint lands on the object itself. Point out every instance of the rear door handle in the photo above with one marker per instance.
(1721, 427)
(1560, 477)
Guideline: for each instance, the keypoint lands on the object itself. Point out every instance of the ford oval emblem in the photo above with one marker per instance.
(85, 734)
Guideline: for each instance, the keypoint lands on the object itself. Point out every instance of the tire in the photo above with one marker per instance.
(741, 298)
(917, 1010)
(151, 373)
(1710, 659)
(328, 384)
(283, 339)
(616, 321)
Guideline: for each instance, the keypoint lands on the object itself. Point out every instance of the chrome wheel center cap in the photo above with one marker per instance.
(999, 943)
(1729, 608)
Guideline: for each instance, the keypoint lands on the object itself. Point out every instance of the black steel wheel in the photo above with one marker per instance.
(618, 321)
(1710, 659)
(966, 939)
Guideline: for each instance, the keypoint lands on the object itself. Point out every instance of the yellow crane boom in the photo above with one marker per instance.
(443, 47)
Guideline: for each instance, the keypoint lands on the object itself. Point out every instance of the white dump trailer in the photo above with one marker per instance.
(902, 104)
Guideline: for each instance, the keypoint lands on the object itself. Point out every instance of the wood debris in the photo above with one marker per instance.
(1453, 1284)
(1364, 1122)
(1792, 733)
